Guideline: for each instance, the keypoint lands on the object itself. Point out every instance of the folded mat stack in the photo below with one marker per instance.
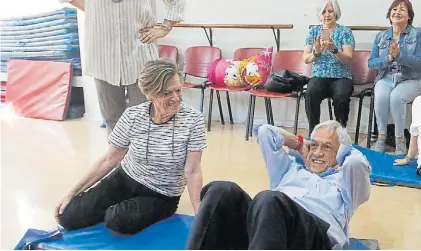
(169, 234)
(49, 36)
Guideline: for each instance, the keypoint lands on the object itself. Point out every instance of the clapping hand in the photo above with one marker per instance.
(394, 49)
(328, 45)
(317, 45)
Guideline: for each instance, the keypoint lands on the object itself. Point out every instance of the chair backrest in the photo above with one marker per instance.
(243, 53)
(197, 60)
(168, 51)
(361, 74)
(291, 60)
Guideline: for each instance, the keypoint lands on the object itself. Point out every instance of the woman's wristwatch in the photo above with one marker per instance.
(335, 50)
(409, 159)
(317, 55)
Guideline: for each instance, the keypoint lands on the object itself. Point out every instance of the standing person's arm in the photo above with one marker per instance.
(175, 11)
(80, 4)
(175, 14)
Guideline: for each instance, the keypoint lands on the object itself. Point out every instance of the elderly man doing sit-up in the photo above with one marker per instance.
(308, 206)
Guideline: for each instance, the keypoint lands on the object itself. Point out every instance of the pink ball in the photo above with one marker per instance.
(216, 71)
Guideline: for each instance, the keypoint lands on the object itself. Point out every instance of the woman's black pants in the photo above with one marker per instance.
(123, 204)
(338, 89)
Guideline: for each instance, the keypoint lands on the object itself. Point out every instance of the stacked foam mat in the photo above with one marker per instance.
(41, 55)
(50, 36)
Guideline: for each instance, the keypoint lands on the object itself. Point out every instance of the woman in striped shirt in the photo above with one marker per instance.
(156, 148)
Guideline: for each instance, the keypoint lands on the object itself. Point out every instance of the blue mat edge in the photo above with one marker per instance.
(37, 239)
(391, 180)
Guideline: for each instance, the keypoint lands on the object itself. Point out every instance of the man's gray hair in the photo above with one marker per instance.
(342, 133)
(155, 75)
(322, 6)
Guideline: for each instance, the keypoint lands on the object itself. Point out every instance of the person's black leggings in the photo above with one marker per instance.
(318, 89)
(229, 219)
(123, 204)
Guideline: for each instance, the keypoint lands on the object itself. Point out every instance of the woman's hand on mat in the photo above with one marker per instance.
(148, 35)
(62, 205)
(401, 162)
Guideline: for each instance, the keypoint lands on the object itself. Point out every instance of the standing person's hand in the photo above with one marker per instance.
(149, 35)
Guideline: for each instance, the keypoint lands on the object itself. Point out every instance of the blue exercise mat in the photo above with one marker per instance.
(169, 234)
(72, 30)
(38, 20)
(19, 40)
(29, 43)
(384, 172)
(37, 17)
(71, 27)
(52, 25)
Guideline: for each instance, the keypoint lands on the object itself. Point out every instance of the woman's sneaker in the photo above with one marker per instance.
(380, 145)
(400, 149)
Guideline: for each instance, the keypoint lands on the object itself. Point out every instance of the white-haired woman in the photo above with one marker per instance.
(415, 143)
(329, 48)
(155, 148)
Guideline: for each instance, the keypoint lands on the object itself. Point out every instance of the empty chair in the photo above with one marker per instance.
(168, 51)
(197, 60)
(363, 78)
(285, 59)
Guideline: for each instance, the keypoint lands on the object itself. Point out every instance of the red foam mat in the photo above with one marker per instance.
(39, 89)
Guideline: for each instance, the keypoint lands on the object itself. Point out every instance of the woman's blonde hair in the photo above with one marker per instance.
(155, 75)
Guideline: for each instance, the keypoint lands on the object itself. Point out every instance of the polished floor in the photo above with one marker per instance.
(41, 160)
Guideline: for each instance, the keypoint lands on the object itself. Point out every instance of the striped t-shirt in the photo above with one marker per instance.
(157, 152)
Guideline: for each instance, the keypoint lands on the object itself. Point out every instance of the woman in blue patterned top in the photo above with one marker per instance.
(330, 59)
(396, 54)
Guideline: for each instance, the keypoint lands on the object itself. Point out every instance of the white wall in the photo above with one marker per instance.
(300, 13)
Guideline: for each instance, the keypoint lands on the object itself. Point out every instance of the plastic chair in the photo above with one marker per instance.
(239, 54)
(197, 60)
(168, 51)
(284, 59)
(363, 78)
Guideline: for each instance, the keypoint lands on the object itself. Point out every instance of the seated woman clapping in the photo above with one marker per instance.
(155, 149)
(329, 48)
(396, 54)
